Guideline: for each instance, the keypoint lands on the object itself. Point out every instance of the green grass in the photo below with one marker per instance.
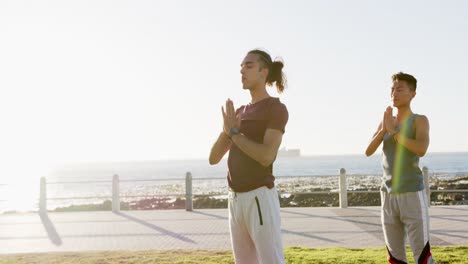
(294, 255)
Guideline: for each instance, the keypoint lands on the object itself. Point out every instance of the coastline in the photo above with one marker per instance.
(294, 192)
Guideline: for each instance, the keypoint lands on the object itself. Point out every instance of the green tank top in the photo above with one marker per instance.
(401, 172)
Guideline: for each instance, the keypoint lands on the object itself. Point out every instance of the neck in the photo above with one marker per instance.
(258, 94)
(403, 112)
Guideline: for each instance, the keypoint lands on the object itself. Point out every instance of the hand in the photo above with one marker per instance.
(388, 122)
(229, 117)
(383, 129)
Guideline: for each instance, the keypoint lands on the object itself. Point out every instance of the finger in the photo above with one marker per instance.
(389, 116)
(233, 108)
(228, 110)
(222, 111)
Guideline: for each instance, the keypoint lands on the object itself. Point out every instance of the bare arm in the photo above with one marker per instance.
(379, 134)
(420, 144)
(219, 149)
(264, 153)
(376, 140)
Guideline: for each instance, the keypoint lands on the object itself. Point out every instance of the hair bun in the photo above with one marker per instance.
(275, 70)
(277, 64)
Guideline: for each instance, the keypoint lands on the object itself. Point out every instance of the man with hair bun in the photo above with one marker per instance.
(252, 134)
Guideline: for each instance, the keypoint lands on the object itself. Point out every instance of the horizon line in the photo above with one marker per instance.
(203, 158)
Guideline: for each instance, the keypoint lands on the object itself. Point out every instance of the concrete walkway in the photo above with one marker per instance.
(208, 229)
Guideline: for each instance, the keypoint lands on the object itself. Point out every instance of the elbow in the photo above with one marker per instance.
(267, 161)
(421, 153)
(212, 161)
(268, 157)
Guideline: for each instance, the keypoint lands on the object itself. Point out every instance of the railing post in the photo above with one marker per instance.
(115, 194)
(427, 186)
(43, 196)
(343, 189)
(188, 192)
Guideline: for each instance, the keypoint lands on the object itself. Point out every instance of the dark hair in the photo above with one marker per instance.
(275, 69)
(408, 78)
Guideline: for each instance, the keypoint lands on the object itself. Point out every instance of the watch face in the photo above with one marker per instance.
(234, 130)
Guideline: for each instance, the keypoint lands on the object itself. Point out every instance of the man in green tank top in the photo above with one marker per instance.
(405, 139)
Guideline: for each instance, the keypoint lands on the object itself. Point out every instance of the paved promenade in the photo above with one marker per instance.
(208, 229)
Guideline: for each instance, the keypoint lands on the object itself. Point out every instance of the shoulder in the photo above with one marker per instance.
(278, 113)
(276, 104)
(421, 121)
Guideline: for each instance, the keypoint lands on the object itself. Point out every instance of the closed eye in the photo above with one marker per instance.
(247, 64)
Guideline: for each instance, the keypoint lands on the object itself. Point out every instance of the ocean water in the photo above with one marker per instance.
(64, 181)
(451, 163)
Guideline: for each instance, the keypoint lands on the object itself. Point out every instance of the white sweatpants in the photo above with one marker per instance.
(255, 225)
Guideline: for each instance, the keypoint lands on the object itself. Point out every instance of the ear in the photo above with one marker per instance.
(265, 72)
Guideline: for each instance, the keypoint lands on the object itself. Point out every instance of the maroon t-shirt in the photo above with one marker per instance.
(246, 174)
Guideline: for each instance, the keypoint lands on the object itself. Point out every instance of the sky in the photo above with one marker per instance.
(90, 81)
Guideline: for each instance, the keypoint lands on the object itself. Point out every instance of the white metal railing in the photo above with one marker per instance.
(116, 196)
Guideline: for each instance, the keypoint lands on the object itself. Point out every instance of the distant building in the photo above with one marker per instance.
(283, 152)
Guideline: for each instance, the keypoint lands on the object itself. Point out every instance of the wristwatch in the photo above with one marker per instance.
(234, 131)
